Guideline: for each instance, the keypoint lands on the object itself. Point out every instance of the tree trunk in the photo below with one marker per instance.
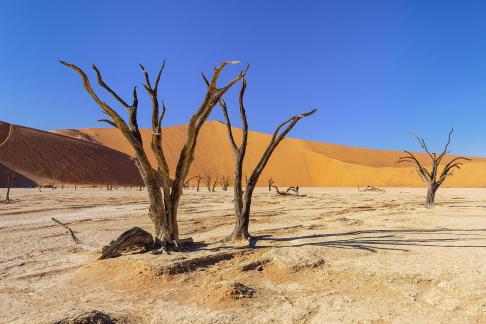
(431, 190)
(8, 193)
(242, 212)
(159, 211)
(240, 232)
(11, 180)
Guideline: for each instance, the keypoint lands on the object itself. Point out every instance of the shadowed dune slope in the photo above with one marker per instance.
(43, 157)
(295, 162)
(19, 180)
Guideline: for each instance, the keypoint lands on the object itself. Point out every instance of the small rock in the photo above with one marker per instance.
(92, 317)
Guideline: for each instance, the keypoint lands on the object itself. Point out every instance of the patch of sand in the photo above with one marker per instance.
(336, 255)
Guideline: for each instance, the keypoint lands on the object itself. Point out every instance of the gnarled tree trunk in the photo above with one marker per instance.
(431, 190)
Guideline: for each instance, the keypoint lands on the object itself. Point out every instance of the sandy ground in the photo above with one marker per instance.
(335, 256)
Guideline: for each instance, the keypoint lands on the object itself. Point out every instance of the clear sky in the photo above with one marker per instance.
(376, 70)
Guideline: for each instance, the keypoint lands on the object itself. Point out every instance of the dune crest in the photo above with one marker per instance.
(295, 161)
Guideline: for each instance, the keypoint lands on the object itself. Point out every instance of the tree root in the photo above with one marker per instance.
(164, 247)
(231, 238)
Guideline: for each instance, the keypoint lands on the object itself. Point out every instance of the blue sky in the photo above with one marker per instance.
(376, 70)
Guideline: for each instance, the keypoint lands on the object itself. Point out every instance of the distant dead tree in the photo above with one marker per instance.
(199, 179)
(371, 188)
(208, 181)
(243, 203)
(289, 191)
(10, 183)
(431, 177)
(163, 202)
(270, 183)
(294, 189)
(280, 193)
(187, 183)
(213, 188)
(225, 182)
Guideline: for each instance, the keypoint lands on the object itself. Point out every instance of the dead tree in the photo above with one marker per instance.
(289, 191)
(225, 182)
(281, 193)
(294, 189)
(216, 181)
(270, 183)
(371, 188)
(199, 179)
(431, 177)
(164, 197)
(243, 201)
(10, 183)
(206, 179)
(188, 182)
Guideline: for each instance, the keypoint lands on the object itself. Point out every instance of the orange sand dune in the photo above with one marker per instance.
(43, 157)
(295, 162)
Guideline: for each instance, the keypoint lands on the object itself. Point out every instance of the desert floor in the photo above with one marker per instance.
(336, 255)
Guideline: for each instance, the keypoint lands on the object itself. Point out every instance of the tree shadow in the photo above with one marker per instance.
(375, 240)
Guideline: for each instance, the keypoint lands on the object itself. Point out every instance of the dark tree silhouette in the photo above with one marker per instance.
(270, 183)
(10, 183)
(225, 182)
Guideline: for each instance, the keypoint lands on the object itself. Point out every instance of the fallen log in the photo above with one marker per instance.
(288, 193)
(133, 240)
(371, 188)
(76, 240)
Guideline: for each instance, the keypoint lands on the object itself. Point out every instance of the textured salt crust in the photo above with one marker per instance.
(336, 255)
